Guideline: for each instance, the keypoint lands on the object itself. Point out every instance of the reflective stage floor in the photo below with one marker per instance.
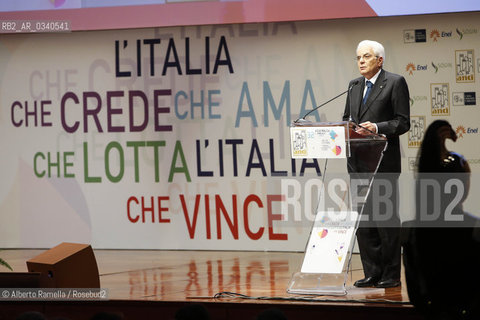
(154, 284)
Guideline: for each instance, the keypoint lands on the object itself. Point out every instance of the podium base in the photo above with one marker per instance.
(329, 284)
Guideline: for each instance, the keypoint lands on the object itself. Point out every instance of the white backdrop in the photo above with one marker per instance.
(206, 160)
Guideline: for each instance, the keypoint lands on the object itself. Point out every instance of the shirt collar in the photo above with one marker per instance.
(374, 78)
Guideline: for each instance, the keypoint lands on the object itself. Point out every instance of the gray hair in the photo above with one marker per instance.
(377, 47)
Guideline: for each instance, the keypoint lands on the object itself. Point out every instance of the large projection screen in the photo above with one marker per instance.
(125, 14)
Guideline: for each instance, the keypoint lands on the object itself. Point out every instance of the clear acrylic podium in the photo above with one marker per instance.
(328, 252)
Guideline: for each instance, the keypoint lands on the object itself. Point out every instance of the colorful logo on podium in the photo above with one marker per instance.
(339, 251)
(323, 233)
(336, 149)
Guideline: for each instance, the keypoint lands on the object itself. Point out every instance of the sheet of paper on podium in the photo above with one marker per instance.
(329, 242)
(318, 142)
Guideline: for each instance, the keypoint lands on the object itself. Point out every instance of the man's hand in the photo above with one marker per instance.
(361, 129)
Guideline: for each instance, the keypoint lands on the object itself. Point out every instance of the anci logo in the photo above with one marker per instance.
(461, 131)
(435, 34)
(57, 3)
(439, 93)
(411, 68)
(464, 66)
(416, 132)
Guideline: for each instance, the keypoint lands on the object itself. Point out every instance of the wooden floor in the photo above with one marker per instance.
(166, 280)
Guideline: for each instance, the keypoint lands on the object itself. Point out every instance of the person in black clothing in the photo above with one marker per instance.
(440, 254)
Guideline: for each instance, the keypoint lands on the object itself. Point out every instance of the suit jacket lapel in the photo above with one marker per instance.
(356, 100)
(377, 88)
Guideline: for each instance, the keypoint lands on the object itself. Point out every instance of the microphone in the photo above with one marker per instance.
(354, 83)
(316, 108)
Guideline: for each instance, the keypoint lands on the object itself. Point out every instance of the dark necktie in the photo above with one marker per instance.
(369, 88)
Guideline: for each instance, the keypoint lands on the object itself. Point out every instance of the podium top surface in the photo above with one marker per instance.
(308, 123)
(347, 124)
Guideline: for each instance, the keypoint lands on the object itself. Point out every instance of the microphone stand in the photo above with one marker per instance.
(316, 108)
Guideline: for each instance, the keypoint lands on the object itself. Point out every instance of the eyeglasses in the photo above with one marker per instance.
(366, 57)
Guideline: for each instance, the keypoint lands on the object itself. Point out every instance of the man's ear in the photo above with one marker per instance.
(380, 61)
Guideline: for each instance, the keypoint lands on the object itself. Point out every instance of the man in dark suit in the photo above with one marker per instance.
(379, 102)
